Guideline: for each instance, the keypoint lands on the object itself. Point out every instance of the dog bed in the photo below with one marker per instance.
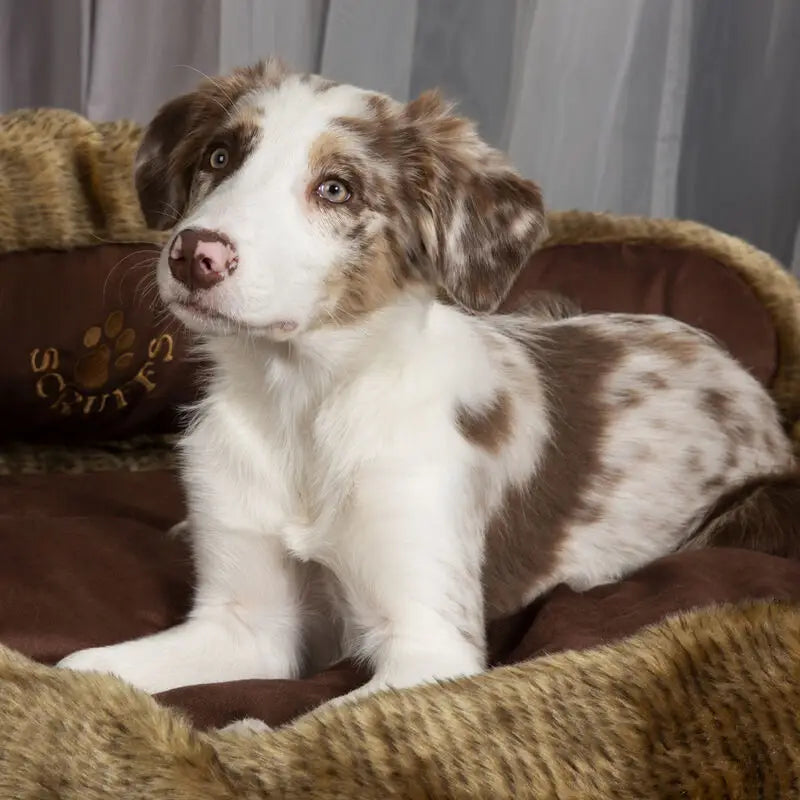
(620, 691)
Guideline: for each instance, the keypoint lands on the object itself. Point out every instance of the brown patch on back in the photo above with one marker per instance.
(524, 537)
(716, 404)
(652, 380)
(740, 430)
(488, 427)
(677, 345)
(629, 398)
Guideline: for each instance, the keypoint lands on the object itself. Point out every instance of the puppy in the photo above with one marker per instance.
(379, 464)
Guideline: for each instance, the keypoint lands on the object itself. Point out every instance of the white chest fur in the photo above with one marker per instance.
(296, 450)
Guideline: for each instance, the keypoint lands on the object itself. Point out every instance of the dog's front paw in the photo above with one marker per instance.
(246, 727)
(369, 688)
(94, 659)
(125, 661)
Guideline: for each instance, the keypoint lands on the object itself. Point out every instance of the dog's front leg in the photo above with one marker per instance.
(414, 586)
(245, 622)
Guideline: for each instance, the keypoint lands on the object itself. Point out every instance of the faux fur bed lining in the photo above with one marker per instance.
(134, 454)
(700, 705)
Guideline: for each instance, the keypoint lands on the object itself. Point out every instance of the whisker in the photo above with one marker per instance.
(150, 283)
(143, 264)
(96, 237)
(227, 111)
(162, 316)
(208, 78)
(173, 212)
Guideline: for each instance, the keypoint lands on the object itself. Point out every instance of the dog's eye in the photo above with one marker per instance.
(334, 191)
(219, 158)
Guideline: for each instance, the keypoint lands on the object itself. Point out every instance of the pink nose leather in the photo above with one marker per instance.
(200, 259)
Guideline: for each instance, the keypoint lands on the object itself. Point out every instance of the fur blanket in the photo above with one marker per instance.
(701, 705)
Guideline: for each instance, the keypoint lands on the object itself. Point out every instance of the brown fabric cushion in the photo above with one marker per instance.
(648, 279)
(86, 562)
(87, 354)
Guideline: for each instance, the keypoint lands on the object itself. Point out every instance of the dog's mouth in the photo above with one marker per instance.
(198, 312)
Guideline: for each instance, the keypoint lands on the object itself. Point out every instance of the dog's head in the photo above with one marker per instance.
(298, 202)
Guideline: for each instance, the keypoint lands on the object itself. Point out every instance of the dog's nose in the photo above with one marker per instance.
(200, 259)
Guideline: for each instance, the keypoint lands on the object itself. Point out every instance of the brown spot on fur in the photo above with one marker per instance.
(239, 139)
(588, 512)
(613, 475)
(714, 484)
(715, 403)
(652, 380)
(694, 463)
(367, 283)
(731, 458)
(404, 160)
(524, 537)
(747, 435)
(168, 156)
(488, 427)
(377, 136)
(331, 157)
(772, 441)
(328, 146)
(380, 106)
(629, 398)
(679, 346)
(444, 298)
(380, 265)
(469, 220)
(319, 84)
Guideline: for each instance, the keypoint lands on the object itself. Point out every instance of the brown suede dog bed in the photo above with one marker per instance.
(91, 377)
(86, 562)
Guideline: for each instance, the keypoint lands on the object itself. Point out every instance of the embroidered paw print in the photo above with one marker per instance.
(110, 344)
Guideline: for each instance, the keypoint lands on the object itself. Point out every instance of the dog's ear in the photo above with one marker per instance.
(173, 142)
(163, 184)
(480, 220)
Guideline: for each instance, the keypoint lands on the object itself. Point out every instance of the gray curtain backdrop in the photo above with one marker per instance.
(687, 108)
